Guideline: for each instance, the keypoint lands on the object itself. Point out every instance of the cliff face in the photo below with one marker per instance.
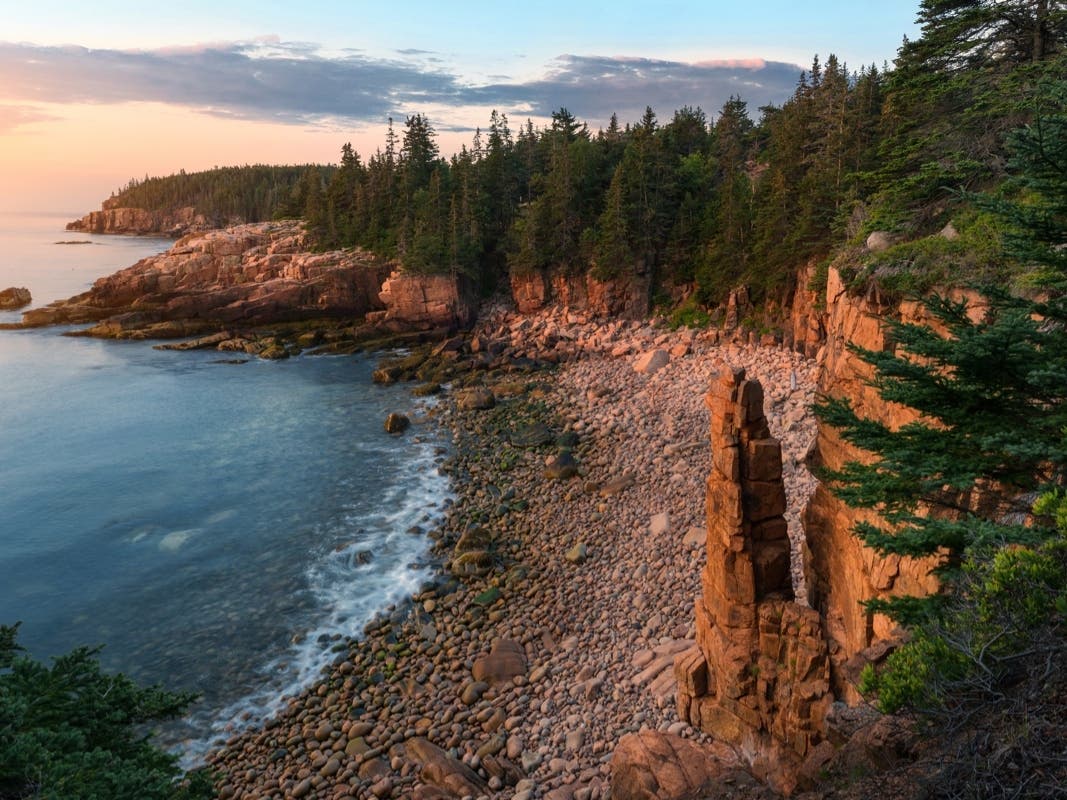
(139, 221)
(843, 572)
(583, 294)
(424, 302)
(249, 274)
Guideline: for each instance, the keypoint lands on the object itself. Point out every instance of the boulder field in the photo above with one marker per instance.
(541, 662)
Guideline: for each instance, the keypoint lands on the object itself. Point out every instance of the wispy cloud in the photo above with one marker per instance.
(594, 87)
(12, 117)
(296, 82)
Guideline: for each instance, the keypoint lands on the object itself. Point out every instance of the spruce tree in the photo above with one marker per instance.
(73, 732)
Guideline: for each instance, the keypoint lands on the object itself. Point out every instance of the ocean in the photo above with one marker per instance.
(215, 526)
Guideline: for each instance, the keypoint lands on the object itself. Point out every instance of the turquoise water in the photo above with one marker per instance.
(215, 525)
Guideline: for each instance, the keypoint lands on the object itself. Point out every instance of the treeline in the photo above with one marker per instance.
(248, 194)
(686, 200)
(712, 202)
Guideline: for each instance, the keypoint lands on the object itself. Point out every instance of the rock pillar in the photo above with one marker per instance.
(759, 676)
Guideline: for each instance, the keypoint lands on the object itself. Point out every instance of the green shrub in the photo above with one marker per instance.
(913, 268)
(1008, 608)
(689, 314)
(71, 731)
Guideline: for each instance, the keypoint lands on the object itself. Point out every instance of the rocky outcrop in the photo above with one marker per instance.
(176, 222)
(759, 678)
(806, 328)
(425, 302)
(530, 292)
(658, 766)
(15, 298)
(583, 294)
(246, 275)
(738, 308)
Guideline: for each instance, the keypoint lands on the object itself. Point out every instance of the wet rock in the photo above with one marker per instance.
(397, 423)
(473, 562)
(535, 435)
(488, 597)
(426, 389)
(200, 343)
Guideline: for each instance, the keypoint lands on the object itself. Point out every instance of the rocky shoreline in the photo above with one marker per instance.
(540, 660)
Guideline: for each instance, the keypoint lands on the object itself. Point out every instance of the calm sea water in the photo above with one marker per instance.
(215, 525)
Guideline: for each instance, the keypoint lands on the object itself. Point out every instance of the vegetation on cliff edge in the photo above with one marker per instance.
(978, 485)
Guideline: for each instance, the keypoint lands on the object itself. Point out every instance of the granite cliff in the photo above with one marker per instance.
(176, 222)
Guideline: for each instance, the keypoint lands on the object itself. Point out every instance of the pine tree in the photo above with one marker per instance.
(954, 95)
(727, 251)
(72, 731)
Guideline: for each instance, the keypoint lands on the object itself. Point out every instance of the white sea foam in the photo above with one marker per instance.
(349, 589)
(175, 540)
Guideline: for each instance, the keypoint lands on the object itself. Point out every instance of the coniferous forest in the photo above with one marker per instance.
(247, 194)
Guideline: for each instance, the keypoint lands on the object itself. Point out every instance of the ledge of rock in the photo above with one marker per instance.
(584, 294)
(652, 765)
(245, 275)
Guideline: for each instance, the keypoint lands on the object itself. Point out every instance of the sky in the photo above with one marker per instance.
(94, 94)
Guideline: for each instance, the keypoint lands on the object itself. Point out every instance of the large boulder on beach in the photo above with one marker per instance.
(15, 297)
(561, 467)
(652, 361)
(476, 399)
(439, 769)
(504, 661)
(652, 765)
